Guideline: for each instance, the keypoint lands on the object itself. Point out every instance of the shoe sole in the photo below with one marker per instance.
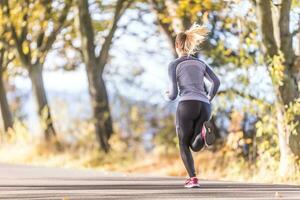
(210, 136)
(192, 186)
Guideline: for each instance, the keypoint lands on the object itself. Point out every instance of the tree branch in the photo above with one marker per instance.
(1, 59)
(86, 31)
(159, 7)
(241, 94)
(4, 59)
(18, 41)
(41, 36)
(60, 23)
(265, 23)
(295, 32)
(24, 27)
(121, 6)
(286, 38)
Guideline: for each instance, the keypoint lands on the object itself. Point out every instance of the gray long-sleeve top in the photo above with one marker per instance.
(187, 73)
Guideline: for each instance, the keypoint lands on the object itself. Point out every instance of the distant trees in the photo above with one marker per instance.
(33, 27)
(29, 28)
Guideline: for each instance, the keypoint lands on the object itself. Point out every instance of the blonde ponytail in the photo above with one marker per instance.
(187, 42)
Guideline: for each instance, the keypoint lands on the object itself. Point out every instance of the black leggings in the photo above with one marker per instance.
(190, 116)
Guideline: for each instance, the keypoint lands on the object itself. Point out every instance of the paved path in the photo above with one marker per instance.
(27, 182)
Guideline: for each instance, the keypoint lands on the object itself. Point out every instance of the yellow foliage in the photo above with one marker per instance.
(292, 111)
(25, 47)
(134, 114)
(277, 69)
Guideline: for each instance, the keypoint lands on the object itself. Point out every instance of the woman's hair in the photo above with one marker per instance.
(187, 42)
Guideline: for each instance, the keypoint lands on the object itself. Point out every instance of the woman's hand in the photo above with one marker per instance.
(166, 95)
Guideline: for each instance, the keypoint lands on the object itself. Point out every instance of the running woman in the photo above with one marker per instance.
(187, 74)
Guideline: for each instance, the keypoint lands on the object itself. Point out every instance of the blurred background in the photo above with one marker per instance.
(82, 85)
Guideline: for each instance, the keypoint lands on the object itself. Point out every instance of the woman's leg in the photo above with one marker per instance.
(197, 142)
(187, 112)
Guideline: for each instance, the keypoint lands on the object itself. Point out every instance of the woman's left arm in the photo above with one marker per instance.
(215, 81)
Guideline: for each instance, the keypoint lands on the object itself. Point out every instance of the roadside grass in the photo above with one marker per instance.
(215, 164)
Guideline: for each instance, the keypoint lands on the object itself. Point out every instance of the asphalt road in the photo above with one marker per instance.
(27, 182)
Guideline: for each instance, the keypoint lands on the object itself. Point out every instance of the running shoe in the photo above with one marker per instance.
(192, 183)
(207, 135)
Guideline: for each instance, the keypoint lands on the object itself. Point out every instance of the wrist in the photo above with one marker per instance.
(209, 97)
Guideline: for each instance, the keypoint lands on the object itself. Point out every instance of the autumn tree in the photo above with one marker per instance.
(34, 26)
(284, 68)
(95, 64)
(175, 16)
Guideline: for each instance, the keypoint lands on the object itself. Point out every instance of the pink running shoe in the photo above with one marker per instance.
(192, 183)
(207, 135)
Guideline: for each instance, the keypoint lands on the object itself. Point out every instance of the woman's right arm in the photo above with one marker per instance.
(173, 90)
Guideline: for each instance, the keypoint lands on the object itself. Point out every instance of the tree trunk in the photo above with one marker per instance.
(100, 105)
(98, 93)
(286, 163)
(273, 22)
(5, 111)
(36, 76)
(288, 93)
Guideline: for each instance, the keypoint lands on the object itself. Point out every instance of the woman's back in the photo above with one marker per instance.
(188, 72)
(190, 80)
